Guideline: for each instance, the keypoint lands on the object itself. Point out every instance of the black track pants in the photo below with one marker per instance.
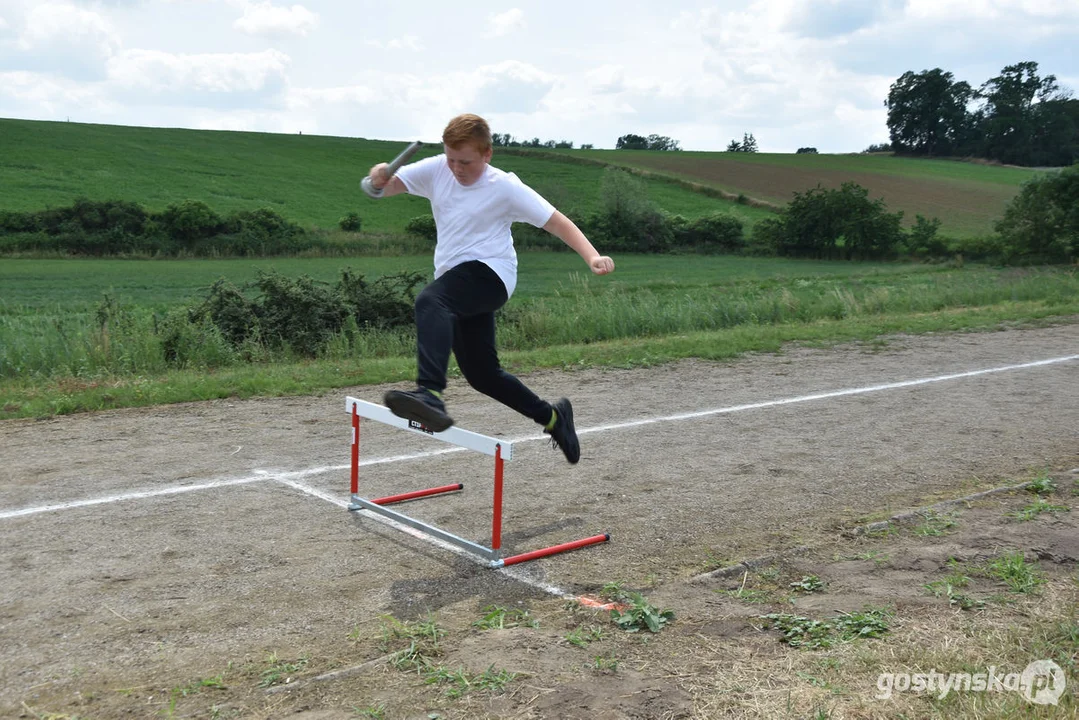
(457, 312)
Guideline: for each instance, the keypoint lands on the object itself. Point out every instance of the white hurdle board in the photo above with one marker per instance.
(452, 435)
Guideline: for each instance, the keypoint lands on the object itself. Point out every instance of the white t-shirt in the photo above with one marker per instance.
(473, 221)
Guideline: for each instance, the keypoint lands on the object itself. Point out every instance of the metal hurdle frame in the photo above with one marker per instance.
(501, 450)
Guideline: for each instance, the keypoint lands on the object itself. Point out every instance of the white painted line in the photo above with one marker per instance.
(823, 395)
(262, 475)
(259, 476)
(137, 495)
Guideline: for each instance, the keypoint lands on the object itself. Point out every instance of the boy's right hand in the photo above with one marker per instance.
(379, 176)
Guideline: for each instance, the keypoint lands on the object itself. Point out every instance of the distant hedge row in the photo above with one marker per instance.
(117, 227)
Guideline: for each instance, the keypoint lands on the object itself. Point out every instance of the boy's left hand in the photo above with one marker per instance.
(602, 265)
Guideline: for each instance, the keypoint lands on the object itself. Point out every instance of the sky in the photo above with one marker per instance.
(794, 73)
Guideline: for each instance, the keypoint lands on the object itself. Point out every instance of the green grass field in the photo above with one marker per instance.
(312, 180)
(967, 197)
(57, 357)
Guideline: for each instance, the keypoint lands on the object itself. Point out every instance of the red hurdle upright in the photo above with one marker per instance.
(501, 450)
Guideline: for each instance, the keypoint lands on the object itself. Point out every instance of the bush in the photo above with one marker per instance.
(197, 343)
(87, 227)
(295, 314)
(261, 232)
(350, 222)
(230, 311)
(836, 224)
(629, 221)
(923, 241)
(717, 232)
(298, 313)
(1041, 224)
(769, 236)
(422, 226)
(116, 227)
(386, 302)
(12, 221)
(190, 221)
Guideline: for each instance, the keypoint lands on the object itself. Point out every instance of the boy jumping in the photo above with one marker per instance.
(474, 205)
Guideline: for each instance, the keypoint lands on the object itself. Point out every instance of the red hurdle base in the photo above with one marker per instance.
(553, 550)
(390, 499)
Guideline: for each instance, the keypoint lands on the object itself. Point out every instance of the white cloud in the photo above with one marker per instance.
(50, 24)
(62, 38)
(3, 23)
(991, 9)
(405, 42)
(504, 23)
(205, 76)
(307, 98)
(48, 97)
(264, 18)
(510, 86)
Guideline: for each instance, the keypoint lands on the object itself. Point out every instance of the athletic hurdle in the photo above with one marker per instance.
(501, 450)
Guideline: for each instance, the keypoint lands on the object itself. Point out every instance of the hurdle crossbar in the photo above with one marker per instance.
(501, 450)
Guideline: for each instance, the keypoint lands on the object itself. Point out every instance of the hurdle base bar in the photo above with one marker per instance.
(553, 550)
(359, 503)
(415, 494)
(489, 554)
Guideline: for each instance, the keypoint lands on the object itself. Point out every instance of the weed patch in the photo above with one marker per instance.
(1013, 570)
(582, 636)
(803, 632)
(499, 618)
(1036, 507)
(637, 613)
(935, 524)
(280, 671)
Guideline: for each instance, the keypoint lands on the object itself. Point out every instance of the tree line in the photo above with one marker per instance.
(1018, 117)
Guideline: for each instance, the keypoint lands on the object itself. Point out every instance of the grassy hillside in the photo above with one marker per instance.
(967, 197)
(313, 180)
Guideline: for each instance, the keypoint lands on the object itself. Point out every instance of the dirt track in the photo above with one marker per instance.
(147, 591)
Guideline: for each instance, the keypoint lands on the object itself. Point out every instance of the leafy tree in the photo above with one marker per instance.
(927, 112)
(748, 144)
(1042, 223)
(1019, 107)
(878, 148)
(1056, 133)
(1008, 123)
(662, 142)
(806, 151)
(631, 142)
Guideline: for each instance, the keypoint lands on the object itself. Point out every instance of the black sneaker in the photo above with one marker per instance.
(563, 434)
(419, 406)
